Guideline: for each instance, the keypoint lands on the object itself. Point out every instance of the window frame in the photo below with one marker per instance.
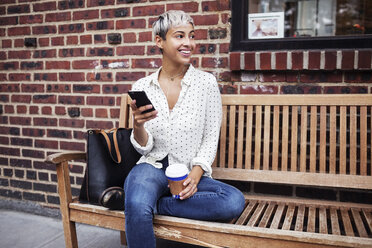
(240, 42)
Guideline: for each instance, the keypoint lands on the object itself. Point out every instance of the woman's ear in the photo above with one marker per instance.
(159, 41)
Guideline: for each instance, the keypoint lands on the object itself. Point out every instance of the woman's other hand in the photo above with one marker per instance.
(191, 182)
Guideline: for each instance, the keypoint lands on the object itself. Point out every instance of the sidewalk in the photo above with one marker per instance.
(29, 230)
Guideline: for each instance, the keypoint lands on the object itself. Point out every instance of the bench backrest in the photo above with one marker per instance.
(319, 140)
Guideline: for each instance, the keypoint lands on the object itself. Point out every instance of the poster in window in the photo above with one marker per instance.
(266, 25)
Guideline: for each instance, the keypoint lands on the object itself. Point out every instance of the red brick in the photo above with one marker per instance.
(153, 50)
(101, 113)
(51, 144)
(19, 76)
(95, 3)
(24, 54)
(71, 28)
(314, 60)
(146, 63)
(364, 59)
(46, 110)
(72, 40)
(45, 76)
(291, 77)
(47, 6)
(114, 113)
(347, 62)
(7, 21)
(249, 61)
(229, 89)
(300, 89)
(272, 77)
(265, 61)
(71, 4)
(72, 146)
(58, 17)
(99, 76)
(134, 23)
(10, 151)
(115, 89)
(214, 62)
(18, 9)
(58, 41)
(72, 52)
(31, 19)
(34, 110)
(47, 29)
(87, 112)
(148, 10)
(21, 98)
(259, 89)
(201, 34)
(19, 31)
(71, 76)
(23, 121)
(130, 50)
(187, 7)
(100, 51)
(206, 19)
(9, 109)
(235, 61)
(69, 99)
(21, 109)
(345, 89)
(86, 39)
(103, 101)
(9, 65)
(43, 42)
(2, 55)
(37, 65)
(112, 13)
(99, 38)
(3, 77)
(33, 88)
(281, 61)
(59, 88)
(330, 60)
(85, 15)
(129, 37)
(18, 43)
(42, 121)
(115, 64)
(58, 110)
(85, 64)
(224, 48)
(71, 123)
(84, 88)
(51, 53)
(129, 76)
(48, 99)
(145, 36)
(99, 124)
(9, 87)
(33, 132)
(6, 43)
(102, 25)
(297, 60)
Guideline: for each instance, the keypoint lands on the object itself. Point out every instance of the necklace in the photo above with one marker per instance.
(174, 76)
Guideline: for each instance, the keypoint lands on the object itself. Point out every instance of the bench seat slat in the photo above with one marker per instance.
(300, 218)
(289, 217)
(348, 228)
(253, 221)
(323, 220)
(359, 223)
(246, 213)
(278, 216)
(335, 221)
(267, 215)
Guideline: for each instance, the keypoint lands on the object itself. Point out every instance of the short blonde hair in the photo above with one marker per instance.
(169, 19)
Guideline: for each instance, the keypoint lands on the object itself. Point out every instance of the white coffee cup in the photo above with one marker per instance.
(176, 174)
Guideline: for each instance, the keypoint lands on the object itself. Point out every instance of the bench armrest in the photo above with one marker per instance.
(57, 158)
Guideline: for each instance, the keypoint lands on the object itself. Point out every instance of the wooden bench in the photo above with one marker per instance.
(298, 140)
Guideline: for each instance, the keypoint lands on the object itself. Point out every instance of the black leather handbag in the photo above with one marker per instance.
(110, 157)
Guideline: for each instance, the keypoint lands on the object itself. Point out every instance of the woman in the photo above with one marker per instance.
(184, 128)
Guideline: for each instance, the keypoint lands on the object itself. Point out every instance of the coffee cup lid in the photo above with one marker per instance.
(176, 172)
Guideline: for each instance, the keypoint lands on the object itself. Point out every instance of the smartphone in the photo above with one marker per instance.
(141, 99)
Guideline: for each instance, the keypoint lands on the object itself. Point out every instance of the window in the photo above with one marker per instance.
(301, 24)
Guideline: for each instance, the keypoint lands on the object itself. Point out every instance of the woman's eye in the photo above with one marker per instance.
(180, 36)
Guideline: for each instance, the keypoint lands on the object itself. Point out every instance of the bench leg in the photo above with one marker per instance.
(64, 190)
(123, 238)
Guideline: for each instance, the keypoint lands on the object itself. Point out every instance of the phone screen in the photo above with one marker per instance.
(141, 99)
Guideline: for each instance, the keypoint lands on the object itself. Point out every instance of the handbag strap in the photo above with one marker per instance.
(116, 146)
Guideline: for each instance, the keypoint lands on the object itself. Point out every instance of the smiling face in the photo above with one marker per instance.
(179, 44)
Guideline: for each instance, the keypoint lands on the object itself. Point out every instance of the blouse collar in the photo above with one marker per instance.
(187, 78)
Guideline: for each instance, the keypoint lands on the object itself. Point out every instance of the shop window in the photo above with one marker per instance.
(301, 24)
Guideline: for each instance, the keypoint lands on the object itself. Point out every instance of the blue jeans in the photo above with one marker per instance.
(147, 193)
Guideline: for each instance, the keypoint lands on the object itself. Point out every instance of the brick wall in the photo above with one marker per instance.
(63, 65)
